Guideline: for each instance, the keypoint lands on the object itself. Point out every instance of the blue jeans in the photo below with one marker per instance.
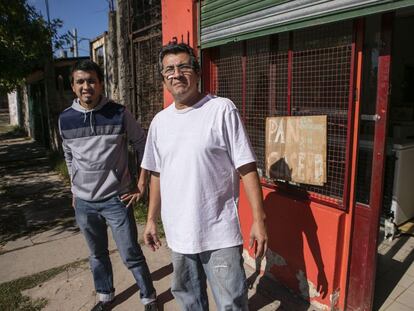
(223, 268)
(92, 219)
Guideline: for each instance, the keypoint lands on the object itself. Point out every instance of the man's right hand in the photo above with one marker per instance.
(151, 236)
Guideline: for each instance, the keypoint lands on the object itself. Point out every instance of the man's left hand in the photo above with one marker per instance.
(258, 234)
(132, 197)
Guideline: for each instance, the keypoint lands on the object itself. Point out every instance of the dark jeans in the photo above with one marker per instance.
(93, 218)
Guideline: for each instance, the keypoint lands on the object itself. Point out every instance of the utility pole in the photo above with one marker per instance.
(47, 12)
(75, 42)
(111, 5)
(51, 100)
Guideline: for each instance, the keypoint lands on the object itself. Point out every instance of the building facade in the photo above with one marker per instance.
(305, 58)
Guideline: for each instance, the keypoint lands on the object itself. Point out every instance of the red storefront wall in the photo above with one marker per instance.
(179, 23)
(308, 236)
(306, 246)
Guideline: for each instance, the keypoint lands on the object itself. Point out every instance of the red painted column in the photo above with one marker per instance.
(179, 23)
(363, 256)
(379, 152)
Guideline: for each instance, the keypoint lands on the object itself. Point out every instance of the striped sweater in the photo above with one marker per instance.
(95, 146)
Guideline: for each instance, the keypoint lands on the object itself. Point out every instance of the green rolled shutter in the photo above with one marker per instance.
(223, 21)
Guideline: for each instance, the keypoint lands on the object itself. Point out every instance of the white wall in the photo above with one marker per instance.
(13, 108)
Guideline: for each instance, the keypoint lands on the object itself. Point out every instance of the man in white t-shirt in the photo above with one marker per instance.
(197, 149)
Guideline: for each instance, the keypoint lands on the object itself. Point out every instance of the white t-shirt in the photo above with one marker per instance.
(196, 151)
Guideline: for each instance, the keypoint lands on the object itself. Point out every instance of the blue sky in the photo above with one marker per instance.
(90, 17)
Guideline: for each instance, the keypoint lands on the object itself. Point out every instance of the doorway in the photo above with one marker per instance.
(394, 281)
(39, 115)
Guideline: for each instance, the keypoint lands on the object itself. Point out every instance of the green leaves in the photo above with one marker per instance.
(25, 39)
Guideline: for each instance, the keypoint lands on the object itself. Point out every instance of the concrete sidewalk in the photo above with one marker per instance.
(38, 233)
(73, 289)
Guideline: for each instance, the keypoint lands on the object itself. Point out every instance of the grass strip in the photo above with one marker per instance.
(58, 164)
(11, 297)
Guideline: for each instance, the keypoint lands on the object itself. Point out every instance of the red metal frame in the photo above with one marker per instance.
(321, 73)
(206, 73)
(362, 231)
(365, 229)
(347, 238)
(300, 194)
(322, 66)
(378, 169)
(351, 110)
(209, 70)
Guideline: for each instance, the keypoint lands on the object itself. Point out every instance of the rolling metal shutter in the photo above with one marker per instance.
(224, 21)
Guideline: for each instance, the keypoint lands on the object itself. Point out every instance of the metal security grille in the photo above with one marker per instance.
(320, 86)
(146, 13)
(229, 66)
(266, 89)
(148, 83)
(146, 41)
(306, 72)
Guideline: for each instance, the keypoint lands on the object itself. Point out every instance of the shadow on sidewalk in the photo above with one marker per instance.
(33, 198)
(157, 275)
(268, 292)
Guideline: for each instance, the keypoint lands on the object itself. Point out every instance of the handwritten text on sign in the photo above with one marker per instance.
(296, 149)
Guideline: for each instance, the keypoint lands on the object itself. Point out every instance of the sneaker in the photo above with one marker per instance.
(103, 306)
(152, 306)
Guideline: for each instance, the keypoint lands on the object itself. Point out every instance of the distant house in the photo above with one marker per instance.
(3, 102)
(35, 108)
(99, 54)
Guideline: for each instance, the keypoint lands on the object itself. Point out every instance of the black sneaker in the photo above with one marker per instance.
(152, 306)
(103, 306)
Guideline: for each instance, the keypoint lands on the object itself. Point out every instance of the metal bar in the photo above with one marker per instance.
(136, 33)
(214, 71)
(290, 69)
(370, 117)
(244, 78)
(377, 181)
(353, 164)
(350, 117)
(273, 66)
(206, 72)
(145, 38)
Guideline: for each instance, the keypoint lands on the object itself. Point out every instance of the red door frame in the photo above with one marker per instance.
(363, 235)
(365, 223)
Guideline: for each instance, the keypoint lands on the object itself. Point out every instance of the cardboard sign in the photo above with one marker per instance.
(296, 149)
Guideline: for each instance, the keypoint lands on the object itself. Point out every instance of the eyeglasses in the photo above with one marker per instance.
(170, 70)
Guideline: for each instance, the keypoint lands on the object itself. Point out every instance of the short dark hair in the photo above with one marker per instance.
(87, 65)
(175, 48)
